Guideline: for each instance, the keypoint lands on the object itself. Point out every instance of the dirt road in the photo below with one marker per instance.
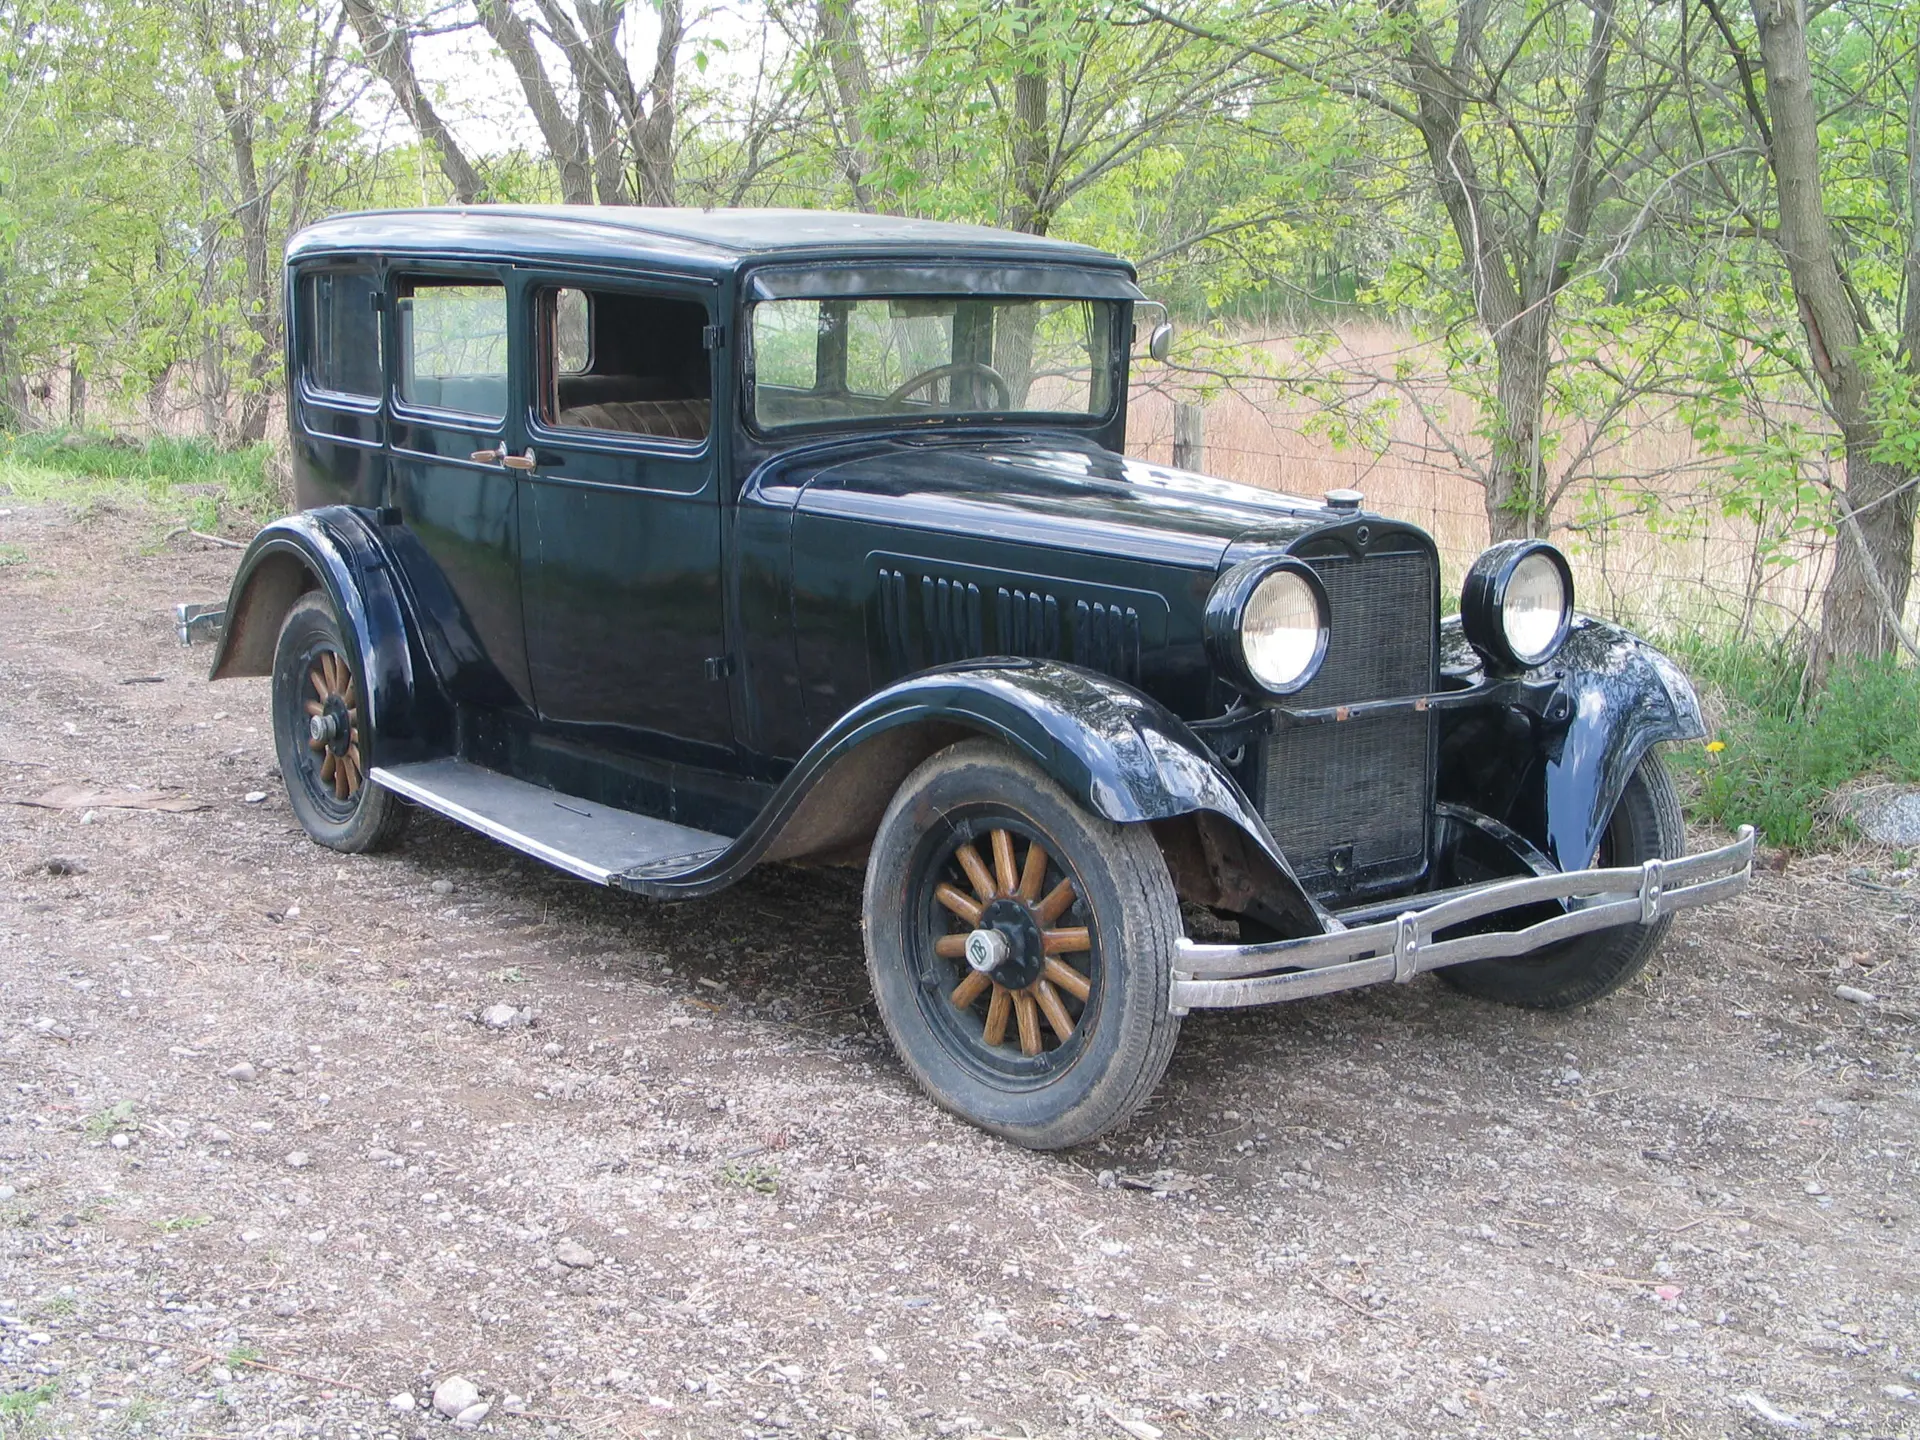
(263, 1172)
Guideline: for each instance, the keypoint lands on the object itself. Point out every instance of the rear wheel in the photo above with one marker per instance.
(322, 734)
(1646, 825)
(1020, 949)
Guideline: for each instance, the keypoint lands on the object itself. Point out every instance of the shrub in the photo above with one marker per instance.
(190, 477)
(1782, 756)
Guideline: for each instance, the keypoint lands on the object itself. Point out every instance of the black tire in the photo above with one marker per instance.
(315, 671)
(1051, 1077)
(1646, 825)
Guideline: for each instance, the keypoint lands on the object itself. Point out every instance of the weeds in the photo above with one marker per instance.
(1778, 759)
(761, 1178)
(117, 1116)
(192, 480)
(180, 1223)
(243, 1355)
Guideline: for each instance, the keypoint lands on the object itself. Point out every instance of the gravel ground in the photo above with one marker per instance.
(264, 1171)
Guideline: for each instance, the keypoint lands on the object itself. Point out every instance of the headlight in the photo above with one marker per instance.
(1517, 603)
(1266, 625)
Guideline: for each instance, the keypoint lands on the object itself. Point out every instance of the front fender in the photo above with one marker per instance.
(1122, 755)
(1625, 698)
(335, 550)
(1614, 697)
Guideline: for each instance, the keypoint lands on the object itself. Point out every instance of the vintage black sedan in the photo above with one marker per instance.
(657, 544)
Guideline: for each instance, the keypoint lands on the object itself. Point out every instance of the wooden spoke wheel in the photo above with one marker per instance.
(1022, 966)
(1021, 949)
(333, 724)
(323, 735)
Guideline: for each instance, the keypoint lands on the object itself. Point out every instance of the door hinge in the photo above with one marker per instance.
(712, 335)
(720, 667)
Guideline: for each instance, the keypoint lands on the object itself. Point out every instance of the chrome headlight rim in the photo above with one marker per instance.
(1483, 599)
(1225, 619)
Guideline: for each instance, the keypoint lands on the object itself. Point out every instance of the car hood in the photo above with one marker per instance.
(1058, 495)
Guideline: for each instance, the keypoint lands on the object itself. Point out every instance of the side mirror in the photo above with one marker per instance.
(1160, 342)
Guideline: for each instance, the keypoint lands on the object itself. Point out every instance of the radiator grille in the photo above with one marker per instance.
(1364, 784)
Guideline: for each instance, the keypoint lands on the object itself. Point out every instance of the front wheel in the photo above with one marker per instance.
(1021, 950)
(323, 735)
(1646, 825)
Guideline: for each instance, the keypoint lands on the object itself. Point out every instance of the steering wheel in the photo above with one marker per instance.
(958, 367)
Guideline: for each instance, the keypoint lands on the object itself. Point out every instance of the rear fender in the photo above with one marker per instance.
(335, 550)
(1121, 755)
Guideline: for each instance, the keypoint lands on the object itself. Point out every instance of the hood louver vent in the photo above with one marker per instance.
(926, 620)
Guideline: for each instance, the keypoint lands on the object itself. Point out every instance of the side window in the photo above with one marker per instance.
(341, 344)
(625, 363)
(571, 330)
(453, 347)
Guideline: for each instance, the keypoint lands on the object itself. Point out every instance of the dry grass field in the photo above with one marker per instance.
(1701, 567)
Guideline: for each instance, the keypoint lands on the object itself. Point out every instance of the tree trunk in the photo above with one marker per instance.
(391, 57)
(1032, 178)
(76, 393)
(653, 136)
(563, 137)
(1853, 621)
(260, 297)
(1516, 472)
(853, 87)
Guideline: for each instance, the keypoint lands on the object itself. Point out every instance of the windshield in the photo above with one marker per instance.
(818, 361)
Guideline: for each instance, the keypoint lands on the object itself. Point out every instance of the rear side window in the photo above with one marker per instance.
(453, 347)
(625, 363)
(342, 331)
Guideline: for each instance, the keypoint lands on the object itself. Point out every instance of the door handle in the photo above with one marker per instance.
(484, 457)
(518, 462)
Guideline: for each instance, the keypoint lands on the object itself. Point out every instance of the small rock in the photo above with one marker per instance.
(1853, 995)
(7, 1192)
(220, 1375)
(1828, 1106)
(401, 1403)
(470, 1417)
(502, 1017)
(1897, 1392)
(285, 1308)
(1455, 1407)
(61, 865)
(1887, 814)
(298, 1159)
(443, 887)
(455, 1395)
(254, 797)
(514, 1405)
(1773, 1415)
(243, 1072)
(551, 1050)
(574, 1255)
(120, 1142)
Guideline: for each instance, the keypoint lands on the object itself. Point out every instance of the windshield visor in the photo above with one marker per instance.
(822, 361)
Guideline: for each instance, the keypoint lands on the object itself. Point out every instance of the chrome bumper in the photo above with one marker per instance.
(1220, 976)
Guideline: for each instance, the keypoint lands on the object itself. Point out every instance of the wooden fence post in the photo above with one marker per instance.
(1189, 437)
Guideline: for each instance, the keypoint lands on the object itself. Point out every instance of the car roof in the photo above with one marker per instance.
(712, 242)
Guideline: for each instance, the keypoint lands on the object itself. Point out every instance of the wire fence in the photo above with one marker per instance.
(1658, 551)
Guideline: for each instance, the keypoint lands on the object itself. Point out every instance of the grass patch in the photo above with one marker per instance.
(180, 1223)
(20, 1404)
(193, 480)
(1779, 759)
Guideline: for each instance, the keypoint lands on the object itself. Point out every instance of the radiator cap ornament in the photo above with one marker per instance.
(1343, 502)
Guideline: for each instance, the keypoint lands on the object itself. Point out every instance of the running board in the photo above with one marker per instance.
(595, 842)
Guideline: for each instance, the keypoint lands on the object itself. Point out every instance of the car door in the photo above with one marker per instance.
(622, 565)
(452, 370)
